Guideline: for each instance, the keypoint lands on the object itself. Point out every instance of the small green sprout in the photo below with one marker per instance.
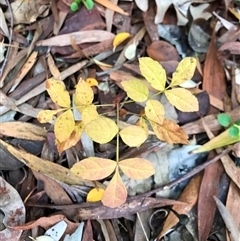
(89, 4)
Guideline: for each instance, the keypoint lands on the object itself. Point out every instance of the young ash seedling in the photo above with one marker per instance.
(102, 129)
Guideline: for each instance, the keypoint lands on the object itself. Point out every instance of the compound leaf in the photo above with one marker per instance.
(95, 195)
(45, 116)
(64, 126)
(137, 168)
(154, 111)
(101, 130)
(184, 71)
(58, 93)
(94, 168)
(153, 73)
(116, 193)
(133, 135)
(170, 132)
(182, 99)
(136, 89)
(83, 95)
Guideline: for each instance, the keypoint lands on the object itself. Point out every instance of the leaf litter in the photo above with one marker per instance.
(96, 103)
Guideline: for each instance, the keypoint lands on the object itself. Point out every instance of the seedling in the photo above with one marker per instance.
(102, 129)
(225, 120)
(89, 4)
(230, 136)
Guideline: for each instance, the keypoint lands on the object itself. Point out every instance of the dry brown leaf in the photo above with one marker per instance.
(48, 168)
(24, 70)
(23, 130)
(56, 193)
(148, 18)
(162, 51)
(48, 222)
(206, 204)
(6, 101)
(232, 203)
(213, 72)
(80, 37)
(190, 196)
(13, 60)
(53, 68)
(232, 47)
(27, 11)
(109, 16)
(34, 92)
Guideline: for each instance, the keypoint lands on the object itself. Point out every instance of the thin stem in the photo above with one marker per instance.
(117, 144)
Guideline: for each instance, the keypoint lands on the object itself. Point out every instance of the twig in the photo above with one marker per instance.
(193, 172)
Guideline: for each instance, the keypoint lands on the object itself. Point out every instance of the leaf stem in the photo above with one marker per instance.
(117, 144)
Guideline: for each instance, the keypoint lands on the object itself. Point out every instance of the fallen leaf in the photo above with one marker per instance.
(153, 72)
(116, 193)
(13, 211)
(232, 47)
(64, 126)
(137, 168)
(213, 73)
(154, 111)
(3, 24)
(27, 11)
(49, 168)
(92, 82)
(94, 168)
(119, 38)
(182, 99)
(53, 68)
(24, 70)
(189, 196)
(206, 205)
(142, 4)
(169, 132)
(95, 195)
(112, 6)
(48, 222)
(232, 202)
(88, 232)
(148, 19)
(102, 65)
(130, 51)
(136, 89)
(162, 51)
(101, 130)
(133, 135)
(228, 220)
(23, 130)
(80, 37)
(235, 13)
(58, 93)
